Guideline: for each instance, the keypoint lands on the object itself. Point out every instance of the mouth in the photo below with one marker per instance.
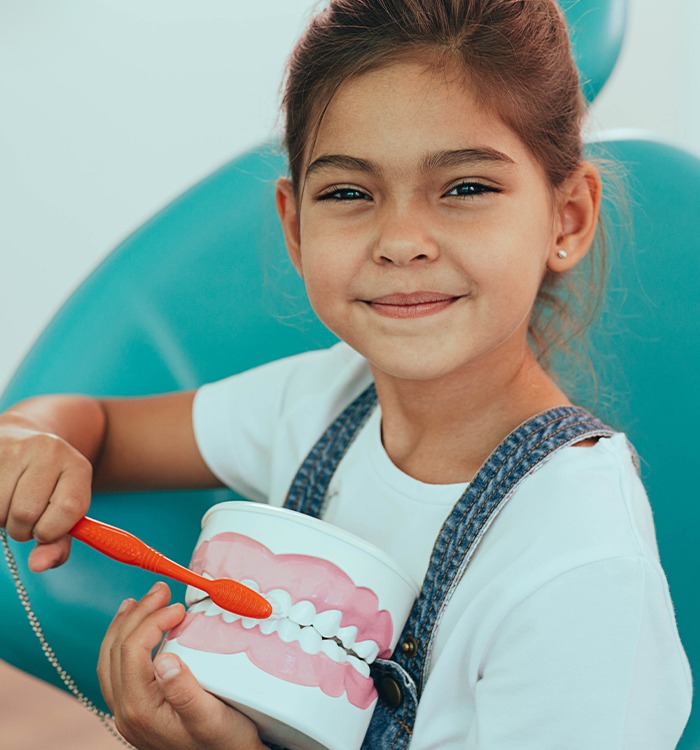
(324, 631)
(412, 305)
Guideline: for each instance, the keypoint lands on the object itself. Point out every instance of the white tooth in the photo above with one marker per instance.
(288, 631)
(193, 595)
(250, 584)
(268, 626)
(347, 635)
(366, 650)
(361, 666)
(310, 641)
(230, 616)
(212, 610)
(328, 622)
(199, 607)
(302, 613)
(249, 622)
(281, 602)
(333, 651)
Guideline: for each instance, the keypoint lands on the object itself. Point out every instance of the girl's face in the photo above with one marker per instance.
(424, 226)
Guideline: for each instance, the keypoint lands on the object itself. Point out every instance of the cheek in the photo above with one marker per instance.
(509, 277)
(329, 264)
(323, 281)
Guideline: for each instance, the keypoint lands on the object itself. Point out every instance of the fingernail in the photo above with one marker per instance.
(126, 604)
(166, 666)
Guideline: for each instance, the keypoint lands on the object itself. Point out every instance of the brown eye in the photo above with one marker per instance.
(343, 194)
(470, 190)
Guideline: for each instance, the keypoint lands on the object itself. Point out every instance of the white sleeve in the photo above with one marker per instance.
(590, 660)
(233, 420)
(254, 429)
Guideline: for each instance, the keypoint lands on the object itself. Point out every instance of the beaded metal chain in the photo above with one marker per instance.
(106, 718)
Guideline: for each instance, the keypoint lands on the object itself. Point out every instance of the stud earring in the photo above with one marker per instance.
(562, 254)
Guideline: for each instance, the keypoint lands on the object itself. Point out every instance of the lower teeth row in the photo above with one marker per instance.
(309, 639)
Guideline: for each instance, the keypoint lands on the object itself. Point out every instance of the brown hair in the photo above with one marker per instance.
(517, 56)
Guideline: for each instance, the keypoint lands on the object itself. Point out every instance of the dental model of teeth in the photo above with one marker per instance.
(314, 631)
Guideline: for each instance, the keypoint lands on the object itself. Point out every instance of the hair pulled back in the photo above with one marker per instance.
(516, 55)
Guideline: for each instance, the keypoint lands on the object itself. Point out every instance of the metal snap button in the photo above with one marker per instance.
(409, 646)
(390, 692)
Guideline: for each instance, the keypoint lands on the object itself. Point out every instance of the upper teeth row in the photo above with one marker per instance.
(304, 617)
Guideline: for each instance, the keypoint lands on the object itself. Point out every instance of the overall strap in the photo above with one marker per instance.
(520, 454)
(308, 490)
(400, 680)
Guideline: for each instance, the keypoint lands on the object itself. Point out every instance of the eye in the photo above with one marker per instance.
(343, 194)
(470, 190)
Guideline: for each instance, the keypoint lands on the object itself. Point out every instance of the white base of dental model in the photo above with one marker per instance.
(303, 675)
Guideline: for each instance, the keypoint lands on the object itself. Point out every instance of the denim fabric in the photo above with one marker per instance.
(307, 492)
(520, 454)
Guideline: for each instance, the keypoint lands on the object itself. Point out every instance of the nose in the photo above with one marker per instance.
(405, 238)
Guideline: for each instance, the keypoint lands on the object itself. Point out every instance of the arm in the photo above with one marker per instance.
(54, 449)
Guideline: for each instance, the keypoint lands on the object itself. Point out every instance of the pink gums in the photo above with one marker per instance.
(231, 555)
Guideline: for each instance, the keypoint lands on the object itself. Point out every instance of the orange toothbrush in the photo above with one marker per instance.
(124, 547)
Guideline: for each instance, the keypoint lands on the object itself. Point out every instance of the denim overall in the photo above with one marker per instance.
(400, 680)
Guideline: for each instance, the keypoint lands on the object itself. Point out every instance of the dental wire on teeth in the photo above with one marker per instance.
(105, 718)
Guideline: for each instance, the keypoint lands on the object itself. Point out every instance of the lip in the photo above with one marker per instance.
(411, 305)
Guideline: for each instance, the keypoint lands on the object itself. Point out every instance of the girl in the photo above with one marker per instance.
(437, 198)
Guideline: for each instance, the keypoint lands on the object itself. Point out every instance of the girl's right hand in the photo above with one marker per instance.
(45, 489)
(54, 449)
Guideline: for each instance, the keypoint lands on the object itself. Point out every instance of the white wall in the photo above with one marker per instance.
(110, 108)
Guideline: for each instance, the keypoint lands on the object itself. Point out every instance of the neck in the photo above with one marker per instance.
(441, 431)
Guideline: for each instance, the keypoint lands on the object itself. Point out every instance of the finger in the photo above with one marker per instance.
(46, 556)
(124, 622)
(155, 599)
(69, 501)
(199, 710)
(137, 673)
(124, 625)
(9, 475)
(104, 662)
(181, 690)
(31, 495)
(139, 709)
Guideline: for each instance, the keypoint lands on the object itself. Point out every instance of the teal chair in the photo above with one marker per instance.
(204, 290)
(201, 291)
(597, 29)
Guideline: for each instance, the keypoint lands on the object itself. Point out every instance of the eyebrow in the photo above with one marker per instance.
(435, 160)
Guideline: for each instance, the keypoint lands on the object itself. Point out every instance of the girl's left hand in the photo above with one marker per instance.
(159, 705)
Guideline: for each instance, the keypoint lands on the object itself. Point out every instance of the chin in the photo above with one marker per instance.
(423, 368)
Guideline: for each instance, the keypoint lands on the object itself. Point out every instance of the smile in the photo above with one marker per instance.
(413, 305)
(324, 631)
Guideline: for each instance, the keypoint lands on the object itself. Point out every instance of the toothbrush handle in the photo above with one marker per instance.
(124, 547)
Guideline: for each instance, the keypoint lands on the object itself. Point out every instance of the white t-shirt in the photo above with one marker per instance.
(561, 634)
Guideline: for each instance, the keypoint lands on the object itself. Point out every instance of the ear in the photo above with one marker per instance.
(289, 218)
(576, 218)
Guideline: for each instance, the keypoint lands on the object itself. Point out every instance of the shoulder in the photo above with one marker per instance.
(593, 500)
(253, 429)
(338, 373)
(581, 510)
(276, 410)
